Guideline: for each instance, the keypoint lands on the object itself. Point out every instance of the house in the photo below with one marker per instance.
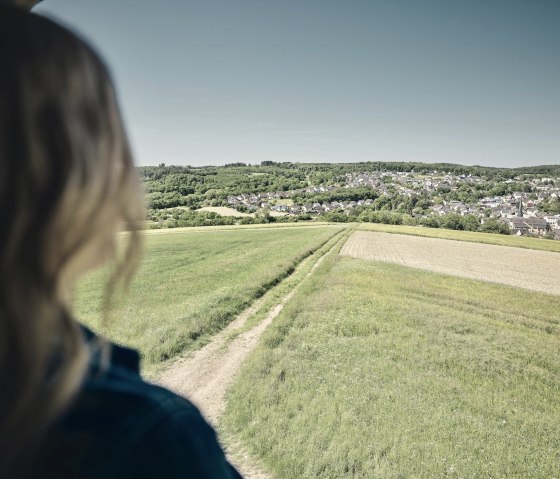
(538, 225)
(553, 221)
(307, 208)
(295, 209)
(506, 213)
(518, 226)
(318, 209)
(529, 225)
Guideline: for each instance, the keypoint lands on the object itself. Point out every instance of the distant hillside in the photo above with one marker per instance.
(437, 195)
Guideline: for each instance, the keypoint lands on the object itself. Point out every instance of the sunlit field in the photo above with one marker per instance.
(191, 283)
(472, 236)
(520, 267)
(376, 370)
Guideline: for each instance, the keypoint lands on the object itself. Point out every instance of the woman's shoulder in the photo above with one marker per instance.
(123, 426)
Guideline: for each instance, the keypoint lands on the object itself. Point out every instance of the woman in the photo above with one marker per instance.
(67, 182)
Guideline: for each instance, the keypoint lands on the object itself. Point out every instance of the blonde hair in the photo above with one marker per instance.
(66, 180)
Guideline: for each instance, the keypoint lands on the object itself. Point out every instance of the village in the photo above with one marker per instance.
(518, 209)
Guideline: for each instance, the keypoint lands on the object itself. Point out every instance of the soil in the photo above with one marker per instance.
(523, 268)
(205, 376)
(225, 211)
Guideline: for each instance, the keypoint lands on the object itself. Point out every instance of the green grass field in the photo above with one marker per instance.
(487, 238)
(192, 282)
(376, 370)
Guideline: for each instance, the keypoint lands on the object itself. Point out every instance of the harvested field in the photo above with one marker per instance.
(224, 211)
(530, 269)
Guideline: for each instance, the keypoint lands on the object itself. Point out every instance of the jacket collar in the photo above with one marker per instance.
(118, 356)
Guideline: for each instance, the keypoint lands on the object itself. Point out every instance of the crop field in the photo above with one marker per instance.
(536, 270)
(225, 211)
(274, 226)
(192, 282)
(373, 368)
(378, 370)
(469, 236)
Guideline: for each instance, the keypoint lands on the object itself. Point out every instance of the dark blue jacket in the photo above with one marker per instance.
(120, 427)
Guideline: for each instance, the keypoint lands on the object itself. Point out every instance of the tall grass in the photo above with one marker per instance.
(380, 371)
(192, 283)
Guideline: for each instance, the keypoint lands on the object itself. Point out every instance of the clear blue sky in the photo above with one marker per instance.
(218, 81)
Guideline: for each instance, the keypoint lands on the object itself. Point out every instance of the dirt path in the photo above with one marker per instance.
(205, 375)
(523, 268)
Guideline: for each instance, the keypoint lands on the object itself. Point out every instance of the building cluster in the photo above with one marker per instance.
(270, 200)
(519, 210)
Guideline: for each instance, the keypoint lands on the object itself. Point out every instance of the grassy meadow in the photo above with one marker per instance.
(375, 370)
(471, 236)
(192, 282)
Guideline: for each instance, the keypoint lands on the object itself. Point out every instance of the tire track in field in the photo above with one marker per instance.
(205, 375)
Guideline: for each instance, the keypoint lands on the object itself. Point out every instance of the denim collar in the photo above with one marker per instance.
(119, 356)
